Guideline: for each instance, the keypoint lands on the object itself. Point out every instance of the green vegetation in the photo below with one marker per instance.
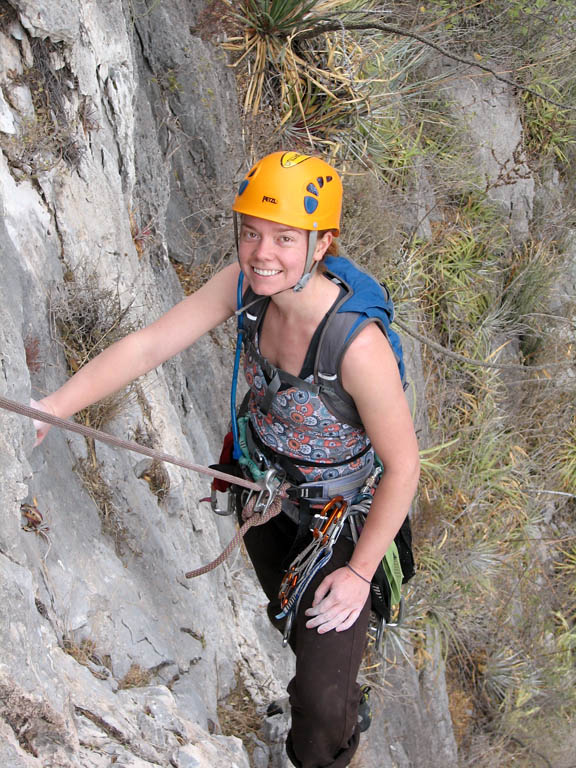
(494, 524)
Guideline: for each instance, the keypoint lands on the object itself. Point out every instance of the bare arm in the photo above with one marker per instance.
(370, 375)
(145, 349)
(377, 390)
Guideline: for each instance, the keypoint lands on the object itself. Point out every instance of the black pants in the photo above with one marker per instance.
(324, 694)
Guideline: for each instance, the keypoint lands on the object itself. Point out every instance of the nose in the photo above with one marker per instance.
(263, 247)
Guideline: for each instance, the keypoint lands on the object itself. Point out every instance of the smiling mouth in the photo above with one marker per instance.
(266, 272)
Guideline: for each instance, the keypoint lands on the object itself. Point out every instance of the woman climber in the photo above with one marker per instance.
(288, 211)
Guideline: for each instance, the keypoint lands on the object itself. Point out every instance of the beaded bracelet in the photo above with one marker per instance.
(357, 574)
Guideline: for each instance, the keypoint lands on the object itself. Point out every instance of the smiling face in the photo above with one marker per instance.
(272, 255)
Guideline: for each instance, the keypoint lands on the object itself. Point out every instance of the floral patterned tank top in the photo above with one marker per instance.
(295, 423)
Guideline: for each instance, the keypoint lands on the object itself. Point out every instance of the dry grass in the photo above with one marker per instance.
(136, 677)
(192, 277)
(85, 318)
(90, 472)
(49, 138)
(85, 653)
(158, 480)
(237, 714)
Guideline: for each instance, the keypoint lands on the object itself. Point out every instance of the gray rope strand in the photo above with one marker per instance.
(130, 445)
(251, 519)
(470, 361)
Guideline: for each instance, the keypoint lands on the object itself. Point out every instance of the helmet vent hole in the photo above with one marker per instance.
(310, 204)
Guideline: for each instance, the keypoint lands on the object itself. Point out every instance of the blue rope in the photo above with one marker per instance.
(237, 451)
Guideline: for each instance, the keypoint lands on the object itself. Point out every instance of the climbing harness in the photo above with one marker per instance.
(326, 526)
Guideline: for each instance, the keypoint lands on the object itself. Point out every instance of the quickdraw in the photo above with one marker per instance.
(326, 526)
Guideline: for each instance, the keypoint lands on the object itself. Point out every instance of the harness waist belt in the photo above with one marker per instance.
(318, 491)
(321, 492)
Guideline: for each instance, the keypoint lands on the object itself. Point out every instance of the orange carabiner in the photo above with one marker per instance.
(332, 511)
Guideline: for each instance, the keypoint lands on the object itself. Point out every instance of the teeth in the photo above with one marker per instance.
(266, 272)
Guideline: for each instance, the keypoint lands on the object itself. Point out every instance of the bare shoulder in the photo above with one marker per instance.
(370, 355)
(370, 375)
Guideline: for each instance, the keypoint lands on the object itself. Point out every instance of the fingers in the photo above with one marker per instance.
(40, 426)
(337, 603)
(323, 589)
(338, 620)
(348, 622)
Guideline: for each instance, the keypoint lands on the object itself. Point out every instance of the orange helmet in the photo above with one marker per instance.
(293, 189)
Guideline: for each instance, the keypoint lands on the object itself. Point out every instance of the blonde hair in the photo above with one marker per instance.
(334, 248)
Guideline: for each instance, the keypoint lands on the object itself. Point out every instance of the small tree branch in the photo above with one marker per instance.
(391, 30)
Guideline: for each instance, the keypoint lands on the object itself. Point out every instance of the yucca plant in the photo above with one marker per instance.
(567, 460)
(268, 28)
(501, 672)
(316, 85)
(274, 18)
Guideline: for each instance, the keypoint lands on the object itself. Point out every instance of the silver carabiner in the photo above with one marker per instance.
(383, 624)
(213, 501)
(271, 483)
(287, 629)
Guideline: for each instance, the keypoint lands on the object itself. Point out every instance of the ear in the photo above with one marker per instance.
(323, 244)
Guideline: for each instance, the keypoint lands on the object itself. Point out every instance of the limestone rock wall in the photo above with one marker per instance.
(97, 600)
(108, 654)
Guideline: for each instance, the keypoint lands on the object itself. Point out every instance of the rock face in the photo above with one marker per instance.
(489, 117)
(120, 141)
(96, 602)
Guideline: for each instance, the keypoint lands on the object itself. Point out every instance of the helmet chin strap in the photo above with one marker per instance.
(309, 267)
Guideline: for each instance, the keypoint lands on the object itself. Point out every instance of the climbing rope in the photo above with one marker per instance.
(118, 442)
(471, 361)
(251, 519)
(264, 503)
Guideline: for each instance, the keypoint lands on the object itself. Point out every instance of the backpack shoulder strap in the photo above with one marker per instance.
(369, 300)
(366, 301)
(253, 311)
